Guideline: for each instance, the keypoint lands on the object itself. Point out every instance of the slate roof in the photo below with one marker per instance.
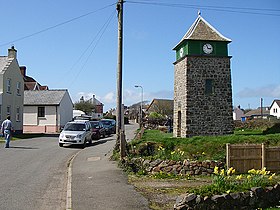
(43, 97)
(202, 30)
(4, 62)
(257, 112)
(276, 101)
(166, 103)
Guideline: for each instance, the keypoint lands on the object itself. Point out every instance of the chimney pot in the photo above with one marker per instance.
(12, 52)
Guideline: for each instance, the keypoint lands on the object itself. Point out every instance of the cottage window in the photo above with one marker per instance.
(9, 81)
(8, 110)
(41, 111)
(209, 86)
(18, 114)
(18, 88)
(275, 110)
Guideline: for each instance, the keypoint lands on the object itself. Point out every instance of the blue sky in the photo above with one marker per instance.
(73, 45)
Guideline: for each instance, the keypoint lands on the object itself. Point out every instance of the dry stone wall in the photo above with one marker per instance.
(185, 167)
(255, 198)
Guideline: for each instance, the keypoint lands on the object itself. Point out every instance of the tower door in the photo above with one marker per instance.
(179, 124)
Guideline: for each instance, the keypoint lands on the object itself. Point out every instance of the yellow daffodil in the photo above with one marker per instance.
(252, 171)
(222, 173)
(239, 177)
(216, 170)
(271, 177)
(230, 171)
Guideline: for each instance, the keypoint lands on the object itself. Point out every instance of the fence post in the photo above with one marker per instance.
(228, 155)
(263, 156)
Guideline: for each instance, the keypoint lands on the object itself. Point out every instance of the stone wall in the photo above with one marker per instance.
(202, 113)
(256, 198)
(185, 167)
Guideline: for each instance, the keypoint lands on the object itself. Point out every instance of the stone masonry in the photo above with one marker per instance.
(195, 111)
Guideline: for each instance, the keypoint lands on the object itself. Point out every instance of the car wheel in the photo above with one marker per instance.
(84, 144)
(61, 144)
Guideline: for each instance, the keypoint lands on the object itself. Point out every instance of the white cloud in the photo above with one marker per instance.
(266, 91)
(108, 98)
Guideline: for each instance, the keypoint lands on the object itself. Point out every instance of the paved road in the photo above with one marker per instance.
(33, 174)
(99, 184)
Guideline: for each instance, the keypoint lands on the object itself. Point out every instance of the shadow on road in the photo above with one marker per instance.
(24, 147)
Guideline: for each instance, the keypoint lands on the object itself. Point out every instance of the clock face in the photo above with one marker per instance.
(207, 48)
(181, 52)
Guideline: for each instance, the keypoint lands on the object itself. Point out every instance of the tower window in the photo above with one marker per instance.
(209, 87)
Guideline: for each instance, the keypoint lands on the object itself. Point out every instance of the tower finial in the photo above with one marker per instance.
(198, 12)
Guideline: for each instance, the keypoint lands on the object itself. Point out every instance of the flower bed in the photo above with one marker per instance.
(256, 198)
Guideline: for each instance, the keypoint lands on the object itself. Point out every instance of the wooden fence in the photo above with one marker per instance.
(243, 157)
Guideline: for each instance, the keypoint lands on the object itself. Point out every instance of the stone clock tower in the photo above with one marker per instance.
(202, 87)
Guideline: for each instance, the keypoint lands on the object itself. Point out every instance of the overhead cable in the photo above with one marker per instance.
(55, 26)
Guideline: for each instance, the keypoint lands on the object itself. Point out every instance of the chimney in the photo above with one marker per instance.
(23, 70)
(12, 52)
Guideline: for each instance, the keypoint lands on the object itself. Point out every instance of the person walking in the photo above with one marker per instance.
(7, 128)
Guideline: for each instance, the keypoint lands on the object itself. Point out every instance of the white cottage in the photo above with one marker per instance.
(275, 109)
(11, 90)
(46, 111)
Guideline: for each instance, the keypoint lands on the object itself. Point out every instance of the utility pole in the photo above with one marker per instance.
(262, 108)
(120, 128)
(141, 106)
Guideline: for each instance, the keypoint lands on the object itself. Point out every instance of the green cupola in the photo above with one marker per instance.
(202, 39)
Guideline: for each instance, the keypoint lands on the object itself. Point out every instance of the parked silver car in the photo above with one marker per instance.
(77, 132)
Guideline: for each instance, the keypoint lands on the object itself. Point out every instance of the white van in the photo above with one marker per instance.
(76, 132)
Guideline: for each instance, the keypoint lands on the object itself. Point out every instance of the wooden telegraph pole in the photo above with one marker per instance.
(120, 127)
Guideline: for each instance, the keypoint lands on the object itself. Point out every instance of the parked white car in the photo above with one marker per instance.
(77, 132)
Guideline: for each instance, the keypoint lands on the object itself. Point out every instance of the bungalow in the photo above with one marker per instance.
(46, 111)
(262, 113)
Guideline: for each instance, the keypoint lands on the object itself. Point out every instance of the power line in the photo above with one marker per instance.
(55, 26)
(98, 36)
(245, 10)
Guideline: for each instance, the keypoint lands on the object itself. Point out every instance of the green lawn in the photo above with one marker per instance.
(201, 147)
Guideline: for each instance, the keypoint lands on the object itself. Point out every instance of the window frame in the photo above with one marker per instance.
(9, 85)
(18, 88)
(18, 114)
(8, 110)
(41, 111)
(209, 87)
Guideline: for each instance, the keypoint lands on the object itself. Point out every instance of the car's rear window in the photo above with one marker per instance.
(94, 124)
(106, 122)
(75, 127)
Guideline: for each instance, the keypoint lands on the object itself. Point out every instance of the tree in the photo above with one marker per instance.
(85, 106)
